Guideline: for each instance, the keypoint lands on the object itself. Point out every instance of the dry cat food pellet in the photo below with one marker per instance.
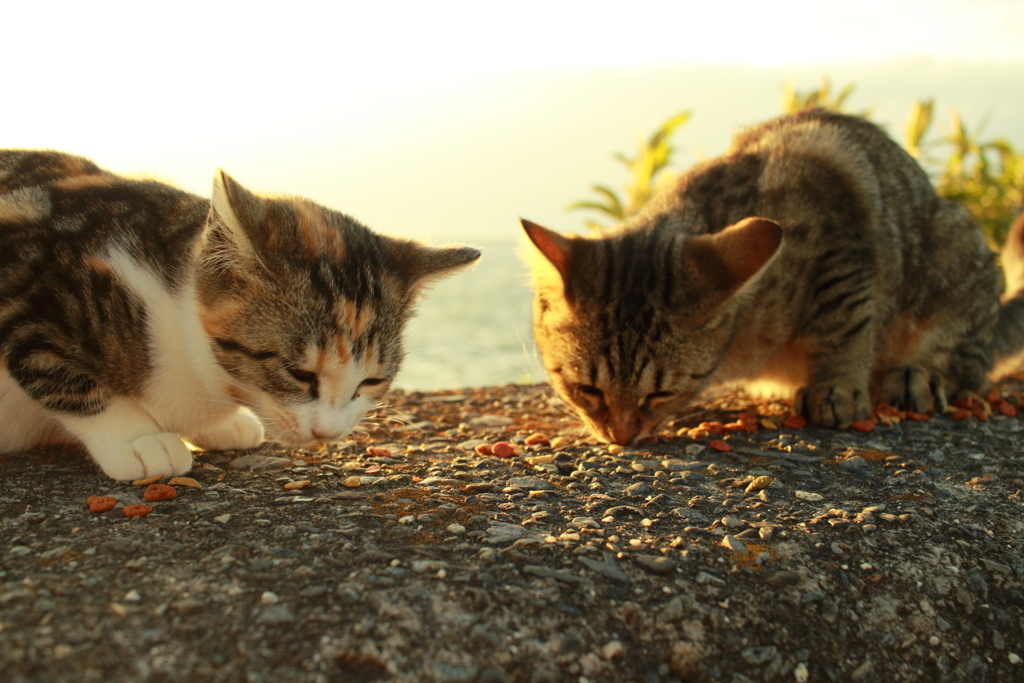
(721, 446)
(136, 510)
(502, 449)
(148, 480)
(159, 492)
(372, 469)
(378, 452)
(483, 449)
(101, 503)
(353, 482)
(295, 485)
(794, 422)
(1006, 408)
(865, 425)
(185, 481)
(537, 439)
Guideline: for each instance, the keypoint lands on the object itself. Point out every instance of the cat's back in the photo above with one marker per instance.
(54, 204)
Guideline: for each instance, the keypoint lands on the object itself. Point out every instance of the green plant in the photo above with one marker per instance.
(794, 100)
(648, 171)
(987, 177)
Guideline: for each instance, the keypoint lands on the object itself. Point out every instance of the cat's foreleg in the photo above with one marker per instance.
(839, 391)
(127, 443)
(240, 431)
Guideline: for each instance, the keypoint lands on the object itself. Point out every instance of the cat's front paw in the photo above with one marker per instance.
(833, 405)
(243, 430)
(162, 453)
(913, 388)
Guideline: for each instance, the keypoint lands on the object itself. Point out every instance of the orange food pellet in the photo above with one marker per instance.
(483, 449)
(1008, 409)
(719, 445)
(890, 410)
(136, 510)
(916, 417)
(794, 422)
(716, 428)
(865, 425)
(378, 452)
(158, 492)
(537, 439)
(503, 449)
(101, 503)
(961, 414)
(372, 469)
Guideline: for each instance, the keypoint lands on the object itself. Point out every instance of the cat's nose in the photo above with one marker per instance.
(623, 428)
(325, 434)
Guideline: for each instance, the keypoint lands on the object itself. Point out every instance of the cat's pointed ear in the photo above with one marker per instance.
(733, 256)
(420, 265)
(436, 262)
(555, 248)
(233, 207)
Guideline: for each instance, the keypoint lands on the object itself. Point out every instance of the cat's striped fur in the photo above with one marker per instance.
(814, 253)
(132, 313)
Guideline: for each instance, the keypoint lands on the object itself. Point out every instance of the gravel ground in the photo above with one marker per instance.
(800, 554)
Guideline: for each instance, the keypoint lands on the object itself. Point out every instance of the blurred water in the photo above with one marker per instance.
(473, 329)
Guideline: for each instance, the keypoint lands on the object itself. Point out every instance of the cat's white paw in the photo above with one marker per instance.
(243, 430)
(162, 453)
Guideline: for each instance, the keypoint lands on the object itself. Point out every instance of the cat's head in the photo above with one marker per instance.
(632, 326)
(304, 308)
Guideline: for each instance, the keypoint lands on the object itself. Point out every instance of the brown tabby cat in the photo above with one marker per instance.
(132, 313)
(813, 254)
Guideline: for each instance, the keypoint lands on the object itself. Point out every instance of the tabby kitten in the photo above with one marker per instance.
(813, 254)
(133, 313)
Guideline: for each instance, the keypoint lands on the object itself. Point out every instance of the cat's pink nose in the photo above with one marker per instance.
(325, 434)
(622, 429)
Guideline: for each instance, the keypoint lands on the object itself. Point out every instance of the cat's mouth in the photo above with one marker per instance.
(621, 428)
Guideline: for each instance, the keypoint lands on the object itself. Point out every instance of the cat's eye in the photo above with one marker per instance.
(589, 390)
(372, 382)
(658, 397)
(304, 376)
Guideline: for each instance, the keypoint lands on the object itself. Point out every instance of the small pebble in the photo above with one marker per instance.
(733, 544)
(537, 439)
(268, 598)
(759, 483)
(353, 482)
(613, 650)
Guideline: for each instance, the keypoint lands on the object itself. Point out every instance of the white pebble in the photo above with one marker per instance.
(268, 598)
(455, 529)
(132, 596)
(1014, 659)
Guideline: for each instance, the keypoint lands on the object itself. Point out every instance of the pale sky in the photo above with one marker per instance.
(390, 109)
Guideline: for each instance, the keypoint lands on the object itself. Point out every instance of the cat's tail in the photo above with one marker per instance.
(1009, 338)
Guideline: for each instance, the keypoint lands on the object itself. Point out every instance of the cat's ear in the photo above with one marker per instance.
(435, 262)
(555, 248)
(233, 207)
(733, 256)
(420, 265)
